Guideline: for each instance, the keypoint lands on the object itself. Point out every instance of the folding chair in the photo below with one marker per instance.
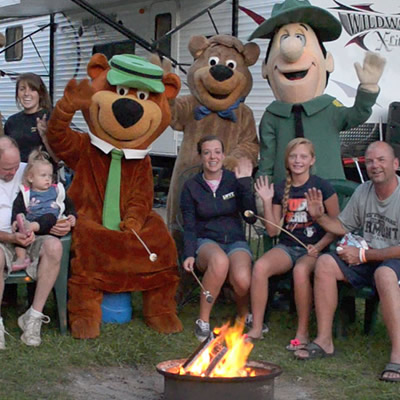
(60, 287)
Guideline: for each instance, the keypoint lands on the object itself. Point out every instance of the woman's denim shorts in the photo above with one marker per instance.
(294, 252)
(228, 248)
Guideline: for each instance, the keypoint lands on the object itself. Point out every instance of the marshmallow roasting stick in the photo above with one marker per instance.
(152, 256)
(249, 213)
(206, 293)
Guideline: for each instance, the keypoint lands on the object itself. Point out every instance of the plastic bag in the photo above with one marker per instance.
(350, 239)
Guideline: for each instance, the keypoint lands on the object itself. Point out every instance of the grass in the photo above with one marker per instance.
(41, 373)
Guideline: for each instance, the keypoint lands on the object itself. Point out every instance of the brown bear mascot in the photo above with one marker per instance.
(219, 80)
(126, 108)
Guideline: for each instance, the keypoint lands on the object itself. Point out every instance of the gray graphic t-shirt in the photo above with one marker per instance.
(379, 220)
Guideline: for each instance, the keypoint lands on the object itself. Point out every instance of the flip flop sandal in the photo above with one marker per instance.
(315, 352)
(391, 367)
(295, 344)
(253, 339)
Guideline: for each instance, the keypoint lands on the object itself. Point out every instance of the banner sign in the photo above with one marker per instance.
(372, 26)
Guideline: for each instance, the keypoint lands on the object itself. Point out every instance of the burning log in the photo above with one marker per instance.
(209, 353)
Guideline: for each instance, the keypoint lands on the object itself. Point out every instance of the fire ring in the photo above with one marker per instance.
(192, 387)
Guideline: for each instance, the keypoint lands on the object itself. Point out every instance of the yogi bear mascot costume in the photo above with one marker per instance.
(297, 68)
(219, 81)
(118, 244)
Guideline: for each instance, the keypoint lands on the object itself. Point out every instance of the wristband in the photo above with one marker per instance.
(361, 256)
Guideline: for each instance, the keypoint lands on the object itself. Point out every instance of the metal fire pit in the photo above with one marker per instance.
(190, 387)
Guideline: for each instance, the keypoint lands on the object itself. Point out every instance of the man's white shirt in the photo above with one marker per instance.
(8, 193)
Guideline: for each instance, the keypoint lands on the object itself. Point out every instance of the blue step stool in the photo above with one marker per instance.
(116, 308)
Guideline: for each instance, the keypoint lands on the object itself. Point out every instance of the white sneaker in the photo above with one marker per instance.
(2, 332)
(249, 323)
(30, 323)
(202, 330)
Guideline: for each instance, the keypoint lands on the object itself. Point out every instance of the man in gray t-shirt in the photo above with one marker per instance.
(379, 219)
(374, 210)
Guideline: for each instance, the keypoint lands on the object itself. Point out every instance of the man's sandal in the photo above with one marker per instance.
(315, 352)
(391, 367)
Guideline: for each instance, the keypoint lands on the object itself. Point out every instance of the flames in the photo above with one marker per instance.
(225, 355)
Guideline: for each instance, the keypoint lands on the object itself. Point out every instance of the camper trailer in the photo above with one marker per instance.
(56, 39)
(58, 46)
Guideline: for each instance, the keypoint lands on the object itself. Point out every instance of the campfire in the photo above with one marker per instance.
(215, 359)
(219, 368)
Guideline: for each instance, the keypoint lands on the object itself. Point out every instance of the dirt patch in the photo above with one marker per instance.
(113, 383)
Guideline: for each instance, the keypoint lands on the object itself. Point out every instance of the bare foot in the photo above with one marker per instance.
(23, 225)
(19, 264)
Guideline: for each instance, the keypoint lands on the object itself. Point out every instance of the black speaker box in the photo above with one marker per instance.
(393, 123)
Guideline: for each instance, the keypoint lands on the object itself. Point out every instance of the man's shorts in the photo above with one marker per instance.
(294, 252)
(229, 248)
(32, 251)
(363, 274)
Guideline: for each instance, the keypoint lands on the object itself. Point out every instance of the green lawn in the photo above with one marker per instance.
(36, 373)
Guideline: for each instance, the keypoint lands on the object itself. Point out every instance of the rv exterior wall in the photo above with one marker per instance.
(78, 32)
(30, 62)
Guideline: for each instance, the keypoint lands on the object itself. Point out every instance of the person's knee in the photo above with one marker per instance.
(241, 290)
(261, 269)
(384, 276)
(218, 269)
(52, 248)
(219, 262)
(241, 285)
(325, 267)
(301, 274)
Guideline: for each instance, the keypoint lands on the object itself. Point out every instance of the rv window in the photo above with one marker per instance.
(162, 26)
(14, 33)
(113, 48)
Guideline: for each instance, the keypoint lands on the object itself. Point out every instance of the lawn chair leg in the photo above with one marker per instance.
(60, 286)
(345, 311)
(371, 314)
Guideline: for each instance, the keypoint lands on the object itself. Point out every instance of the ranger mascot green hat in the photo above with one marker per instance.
(325, 25)
(136, 72)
